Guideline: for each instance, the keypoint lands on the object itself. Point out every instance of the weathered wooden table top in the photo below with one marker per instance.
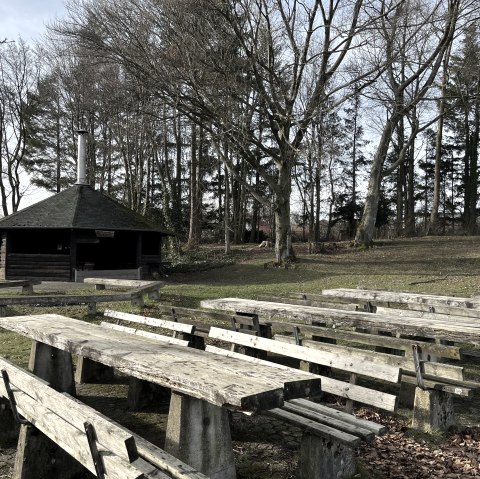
(465, 330)
(214, 378)
(402, 297)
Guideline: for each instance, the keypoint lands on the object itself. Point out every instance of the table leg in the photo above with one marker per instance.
(198, 433)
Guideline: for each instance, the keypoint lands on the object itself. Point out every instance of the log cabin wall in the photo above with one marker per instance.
(46, 267)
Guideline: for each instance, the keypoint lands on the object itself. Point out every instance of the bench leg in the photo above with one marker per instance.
(198, 433)
(144, 393)
(321, 458)
(89, 371)
(9, 429)
(433, 410)
(37, 456)
(3, 311)
(27, 289)
(138, 302)
(92, 309)
(154, 295)
(99, 287)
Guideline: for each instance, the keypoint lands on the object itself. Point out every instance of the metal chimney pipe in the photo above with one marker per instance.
(82, 157)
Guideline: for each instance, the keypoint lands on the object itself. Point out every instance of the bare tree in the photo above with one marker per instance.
(228, 63)
(415, 38)
(18, 77)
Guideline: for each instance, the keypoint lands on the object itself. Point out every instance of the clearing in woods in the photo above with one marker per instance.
(266, 449)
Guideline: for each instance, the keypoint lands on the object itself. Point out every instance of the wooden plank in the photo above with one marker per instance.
(221, 381)
(76, 413)
(165, 461)
(345, 319)
(314, 427)
(146, 334)
(14, 283)
(55, 425)
(446, 310)
(298, 299)
(335, 359)
(435, 383)
(317, 416)
(124, 283)
(282, 378)
(361, 394)
(440, 350)
(402, 297)
(64, 299)
(377, 429)
(441, 370)
(161, 323)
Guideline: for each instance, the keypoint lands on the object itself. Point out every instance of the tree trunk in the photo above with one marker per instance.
(283, 232)
(226, 216)
(366, 228)
(432, 227)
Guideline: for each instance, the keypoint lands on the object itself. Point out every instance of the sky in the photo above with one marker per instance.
(27, 18)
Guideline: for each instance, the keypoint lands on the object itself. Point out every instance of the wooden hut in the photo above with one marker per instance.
(76, 233)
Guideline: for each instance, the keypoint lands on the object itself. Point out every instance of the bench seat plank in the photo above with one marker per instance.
(377, 429)
(354, 430)
(315, 427)
(161, 323)
(145, 334)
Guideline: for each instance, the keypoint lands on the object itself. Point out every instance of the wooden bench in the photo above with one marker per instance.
(78, 437)
(432, 400)
(329, 436)
(432, 303)
(152, 288)
(25, 284)
(135, 296)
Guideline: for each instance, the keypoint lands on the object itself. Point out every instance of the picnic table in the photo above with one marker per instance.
(204, 385)
(462, 330)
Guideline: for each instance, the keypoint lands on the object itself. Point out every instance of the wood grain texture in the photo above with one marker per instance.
(335, 357)
(379, 399)
(219, 380)
(161, 323)
(463, 332)
(145, 334)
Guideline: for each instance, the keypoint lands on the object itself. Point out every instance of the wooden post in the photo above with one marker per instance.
(89, 371)
(433, 410)
(92, 309)
(37, 456)
(54, 366)
(198, 433)
(321, 458)
(27, 289)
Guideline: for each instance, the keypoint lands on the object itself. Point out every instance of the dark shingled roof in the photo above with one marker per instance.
(79, 207)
